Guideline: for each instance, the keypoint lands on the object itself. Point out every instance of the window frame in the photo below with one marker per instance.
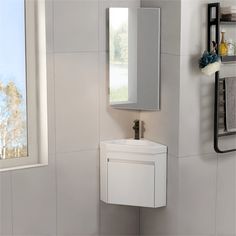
(36, 89)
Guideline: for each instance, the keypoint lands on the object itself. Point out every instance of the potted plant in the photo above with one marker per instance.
(210, 62)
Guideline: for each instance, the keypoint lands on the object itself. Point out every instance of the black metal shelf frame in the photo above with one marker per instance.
(219, 120)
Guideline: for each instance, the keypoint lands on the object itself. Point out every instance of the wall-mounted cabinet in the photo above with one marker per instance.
(133, 172)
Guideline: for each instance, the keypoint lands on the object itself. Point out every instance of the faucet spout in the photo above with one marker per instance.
(136, 129)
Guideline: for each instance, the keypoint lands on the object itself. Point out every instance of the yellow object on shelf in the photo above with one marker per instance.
(223, 49)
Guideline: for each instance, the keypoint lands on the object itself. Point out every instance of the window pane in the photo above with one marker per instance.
(13, 114)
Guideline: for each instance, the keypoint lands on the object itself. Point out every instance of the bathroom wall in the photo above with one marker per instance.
(208, 179)
(201, 183)
(63, 198)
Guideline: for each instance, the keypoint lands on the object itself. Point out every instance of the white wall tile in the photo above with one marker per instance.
(193, 27)
(170, 24)
(163, 221)
(34, 200)
(49, 25)
(197, 195)
(196, 110)
(5, 204)
(114, 123)
(75, 25)
(226, 195)
(76, 88)
(162, 126)
(78, 193)
(206, 197)
(191, 199)
(51, 104)
(227, 2)
(118, 220)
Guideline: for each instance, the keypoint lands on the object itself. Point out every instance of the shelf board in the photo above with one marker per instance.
(223, 134)
(228, 59)
(223, 22)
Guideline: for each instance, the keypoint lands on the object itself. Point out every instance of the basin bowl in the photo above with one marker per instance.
(135, 146)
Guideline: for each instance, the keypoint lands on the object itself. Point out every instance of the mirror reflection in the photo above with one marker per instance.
(134, 57)
(119, 54)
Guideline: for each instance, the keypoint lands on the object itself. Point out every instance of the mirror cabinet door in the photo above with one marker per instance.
(134, 58)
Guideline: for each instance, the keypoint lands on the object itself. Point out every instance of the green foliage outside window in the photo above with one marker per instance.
(119, 47)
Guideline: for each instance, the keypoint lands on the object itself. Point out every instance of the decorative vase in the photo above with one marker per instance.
(211, 68)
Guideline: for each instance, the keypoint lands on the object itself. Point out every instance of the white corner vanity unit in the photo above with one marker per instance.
(133, 172)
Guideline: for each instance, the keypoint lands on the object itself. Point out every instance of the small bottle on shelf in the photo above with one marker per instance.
(223, 49)
(230, 47)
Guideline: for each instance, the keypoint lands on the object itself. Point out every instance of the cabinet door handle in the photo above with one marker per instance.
(152, 163)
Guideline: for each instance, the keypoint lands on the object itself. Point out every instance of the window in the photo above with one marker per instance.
(23, 109)
(13, 118)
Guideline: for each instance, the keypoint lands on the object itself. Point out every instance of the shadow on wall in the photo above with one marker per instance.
(205, 108)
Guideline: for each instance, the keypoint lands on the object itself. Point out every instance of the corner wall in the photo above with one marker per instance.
(201, 184)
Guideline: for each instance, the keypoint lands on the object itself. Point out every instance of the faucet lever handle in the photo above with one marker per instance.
(142, 129)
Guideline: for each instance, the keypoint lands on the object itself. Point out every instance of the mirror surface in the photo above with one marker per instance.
(134, 58)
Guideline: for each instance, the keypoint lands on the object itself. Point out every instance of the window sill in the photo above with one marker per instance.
(23, 167)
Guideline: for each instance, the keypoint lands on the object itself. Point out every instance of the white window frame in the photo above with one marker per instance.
(37, 127)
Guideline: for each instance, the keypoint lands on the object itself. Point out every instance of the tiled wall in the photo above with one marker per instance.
(63, 198)
(201, 184)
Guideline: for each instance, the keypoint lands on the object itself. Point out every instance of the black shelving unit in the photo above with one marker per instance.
(220, 106)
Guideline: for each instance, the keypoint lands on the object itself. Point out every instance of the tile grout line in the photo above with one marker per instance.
(194, 155)
(99, 139)
(139, 221)
(216, 194)
(99, 115)
(78, 151)
(139, 211)
(54, 113)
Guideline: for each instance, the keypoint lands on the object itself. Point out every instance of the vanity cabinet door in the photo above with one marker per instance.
(127, 183)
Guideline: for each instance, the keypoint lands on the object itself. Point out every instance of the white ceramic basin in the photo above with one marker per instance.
(135, 146)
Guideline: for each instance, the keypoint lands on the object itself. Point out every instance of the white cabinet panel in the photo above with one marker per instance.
(133, 172)
(127, 183)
